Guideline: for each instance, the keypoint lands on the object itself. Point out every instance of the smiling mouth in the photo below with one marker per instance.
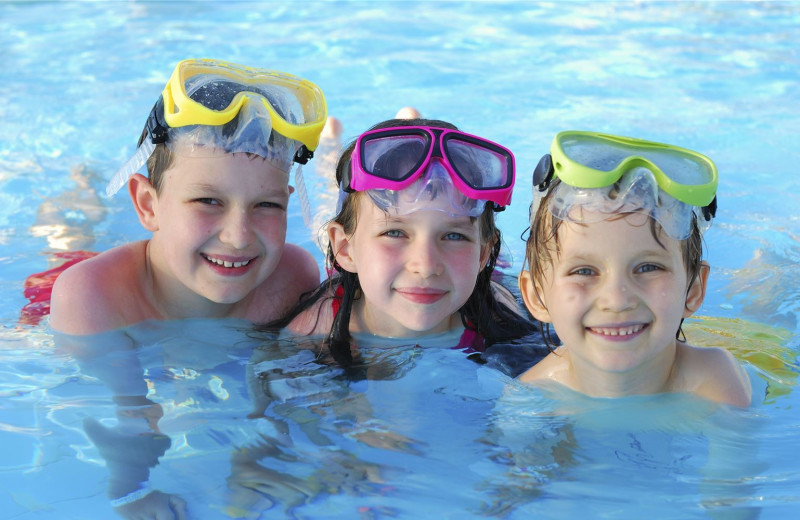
(226, 263)
(424, 296)
(618, 331)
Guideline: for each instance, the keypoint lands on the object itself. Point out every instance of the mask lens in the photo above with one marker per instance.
(215, 94)
(683, 169)
(219, 94)
(393, 158)
(598, 154)
(605, 155)
(478, 166)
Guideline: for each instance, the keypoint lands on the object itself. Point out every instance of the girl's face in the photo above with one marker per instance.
(415, 270)
(614, 295)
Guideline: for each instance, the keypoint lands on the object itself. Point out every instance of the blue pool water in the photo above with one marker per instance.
(257, 430)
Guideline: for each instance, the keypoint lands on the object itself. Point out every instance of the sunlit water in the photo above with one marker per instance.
(259, 429)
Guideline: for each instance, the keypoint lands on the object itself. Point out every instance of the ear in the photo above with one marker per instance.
(531, 298)
(291, 189)
(696, 292)
(342, 248)
(144, 199)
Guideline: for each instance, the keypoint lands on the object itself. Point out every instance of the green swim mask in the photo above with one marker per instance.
(594, 160)
(602, 175)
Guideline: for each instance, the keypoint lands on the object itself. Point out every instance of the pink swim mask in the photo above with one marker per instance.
(430, 161)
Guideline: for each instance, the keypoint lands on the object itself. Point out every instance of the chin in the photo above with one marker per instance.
(228, 298)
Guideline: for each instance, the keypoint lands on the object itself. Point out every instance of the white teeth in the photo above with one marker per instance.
(618, 332)
(226, 263)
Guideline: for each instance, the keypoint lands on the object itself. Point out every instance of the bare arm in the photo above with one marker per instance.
(726, 380)
(712, 373)
(100, 294)
(135, 444)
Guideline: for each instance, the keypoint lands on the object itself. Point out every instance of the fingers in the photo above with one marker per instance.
(408, 113)
(178, 506)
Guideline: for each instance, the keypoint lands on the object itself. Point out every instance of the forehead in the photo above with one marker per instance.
(621, 233)
(630, 233)
(224, 170)
(430, 217)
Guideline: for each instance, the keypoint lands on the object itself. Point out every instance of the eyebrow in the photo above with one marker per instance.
(215, 189)
(590, 255)
(453, 222)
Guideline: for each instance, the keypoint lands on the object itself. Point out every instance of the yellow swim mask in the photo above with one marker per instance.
(212, 92)
(210, 107)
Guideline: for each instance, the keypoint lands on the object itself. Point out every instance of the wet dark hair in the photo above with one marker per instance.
(483, 313)
(543, 245)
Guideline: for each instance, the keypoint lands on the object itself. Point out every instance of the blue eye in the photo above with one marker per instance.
(583, 271)
(455, 236)
(208, 200)
(648, 268)
(393, 233)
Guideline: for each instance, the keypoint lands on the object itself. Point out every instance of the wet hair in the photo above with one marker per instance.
(482, 312)
(543, 246)
(158, 162)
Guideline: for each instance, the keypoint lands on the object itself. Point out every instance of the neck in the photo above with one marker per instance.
(363, 320)
(651, 377)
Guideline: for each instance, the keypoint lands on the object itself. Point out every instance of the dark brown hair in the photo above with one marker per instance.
(482, 312)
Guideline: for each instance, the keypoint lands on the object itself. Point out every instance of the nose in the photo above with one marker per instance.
(425, 258)
(617, 293)
(237, 231)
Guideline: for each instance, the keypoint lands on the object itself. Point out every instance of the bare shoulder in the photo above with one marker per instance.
(503, 295)
(550, 368)
(713, 373)
(301, 266)
(296, 274)
(92, 296)
(317, 319)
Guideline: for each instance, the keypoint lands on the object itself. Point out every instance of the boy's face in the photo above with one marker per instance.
(615, 296)
(221, 226)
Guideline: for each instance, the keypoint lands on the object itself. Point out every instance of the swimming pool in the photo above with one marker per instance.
(427, 434)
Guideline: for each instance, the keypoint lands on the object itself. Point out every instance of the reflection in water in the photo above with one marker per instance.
(622, 451)
(768, 284)
(292, 430)
(68, 222)
(241, 425)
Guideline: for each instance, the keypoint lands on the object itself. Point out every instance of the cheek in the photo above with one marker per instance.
(465, 262)
(274, 233)
(667, 293)
(567, 293)
(272, 227)
(373, 255)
